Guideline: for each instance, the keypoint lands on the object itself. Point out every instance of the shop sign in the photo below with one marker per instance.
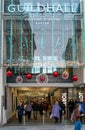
(41, 8)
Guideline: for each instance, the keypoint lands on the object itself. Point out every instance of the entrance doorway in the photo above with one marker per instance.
(40, 94)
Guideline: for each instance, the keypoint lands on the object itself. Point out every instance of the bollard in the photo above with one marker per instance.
(24, 117)
(43, 117)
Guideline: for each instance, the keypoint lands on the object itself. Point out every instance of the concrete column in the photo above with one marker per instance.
(2, 70)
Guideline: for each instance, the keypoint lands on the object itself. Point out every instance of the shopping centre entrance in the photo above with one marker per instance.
(40, 94)
(40, 61)
(43, 95)
(48, 94)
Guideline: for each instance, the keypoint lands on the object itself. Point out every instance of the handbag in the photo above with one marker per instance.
(72, 117)
(51, 116)
(16, 114)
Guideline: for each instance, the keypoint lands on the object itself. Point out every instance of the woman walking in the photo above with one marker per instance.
(20, 110)
(76, 118)
(56, 111)
(29, 110)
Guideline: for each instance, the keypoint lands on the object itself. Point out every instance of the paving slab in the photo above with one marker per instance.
(48, 127)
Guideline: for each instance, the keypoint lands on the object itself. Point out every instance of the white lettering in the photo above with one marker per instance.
(20, 8)
(11, 8)
(72, 9)
(32, 9)
(50, 8)
(28, 7)
(59, 8)
(40, 7)
(65, 9)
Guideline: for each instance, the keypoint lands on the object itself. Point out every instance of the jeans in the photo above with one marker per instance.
(20, 118)
(35, 114)
(78, 125)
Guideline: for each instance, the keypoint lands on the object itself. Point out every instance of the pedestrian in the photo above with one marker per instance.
(45, 107)
(71, 107)
(62, 110)
(20, 110)
(76, 118)
(82, 109)
(29, 110)
(56, 111)
(41, 109)
(35, 108)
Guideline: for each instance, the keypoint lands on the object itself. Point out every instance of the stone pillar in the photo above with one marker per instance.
(2, 69)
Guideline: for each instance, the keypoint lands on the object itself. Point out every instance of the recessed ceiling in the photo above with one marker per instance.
(35, 91)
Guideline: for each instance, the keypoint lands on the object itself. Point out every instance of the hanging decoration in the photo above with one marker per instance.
(27, 63)
(65, 75)
(9, 73)
(19, 79)
(29, 76)
(75, 78)
(42, 79)
(55, 73)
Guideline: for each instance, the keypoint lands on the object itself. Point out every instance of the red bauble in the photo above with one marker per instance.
(19, 79)
(42, 78)
(75, 78)
(29, 76)
(65, 75)
(9, 73)
(55, 74)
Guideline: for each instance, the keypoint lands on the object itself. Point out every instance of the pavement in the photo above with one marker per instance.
(39, 124)
(40, 127)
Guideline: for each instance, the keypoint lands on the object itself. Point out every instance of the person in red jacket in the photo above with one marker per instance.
(45, 107)
(76, 118)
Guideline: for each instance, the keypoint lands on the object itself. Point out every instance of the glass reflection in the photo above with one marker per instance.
(42, 34)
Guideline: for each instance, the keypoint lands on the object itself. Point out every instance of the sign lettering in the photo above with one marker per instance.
(40, 8)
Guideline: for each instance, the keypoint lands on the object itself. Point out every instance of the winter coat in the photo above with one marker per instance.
(82, 107)
(76, 115)
(35, 106)
(29, 108)
(56, 110)
(20, 109)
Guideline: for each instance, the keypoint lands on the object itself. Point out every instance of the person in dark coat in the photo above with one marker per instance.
(41, 109)
(20, 110)
(71, 106)
(35, 108)
(62, 110)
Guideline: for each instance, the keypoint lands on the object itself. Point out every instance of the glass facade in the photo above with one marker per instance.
(43, 34)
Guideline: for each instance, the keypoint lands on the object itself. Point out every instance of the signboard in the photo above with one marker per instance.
(41, 8)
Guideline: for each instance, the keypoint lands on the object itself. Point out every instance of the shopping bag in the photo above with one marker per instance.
(16, 114)
(51, 116)
(72, 117)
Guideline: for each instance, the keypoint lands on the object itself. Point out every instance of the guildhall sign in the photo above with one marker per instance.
(41, 8)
